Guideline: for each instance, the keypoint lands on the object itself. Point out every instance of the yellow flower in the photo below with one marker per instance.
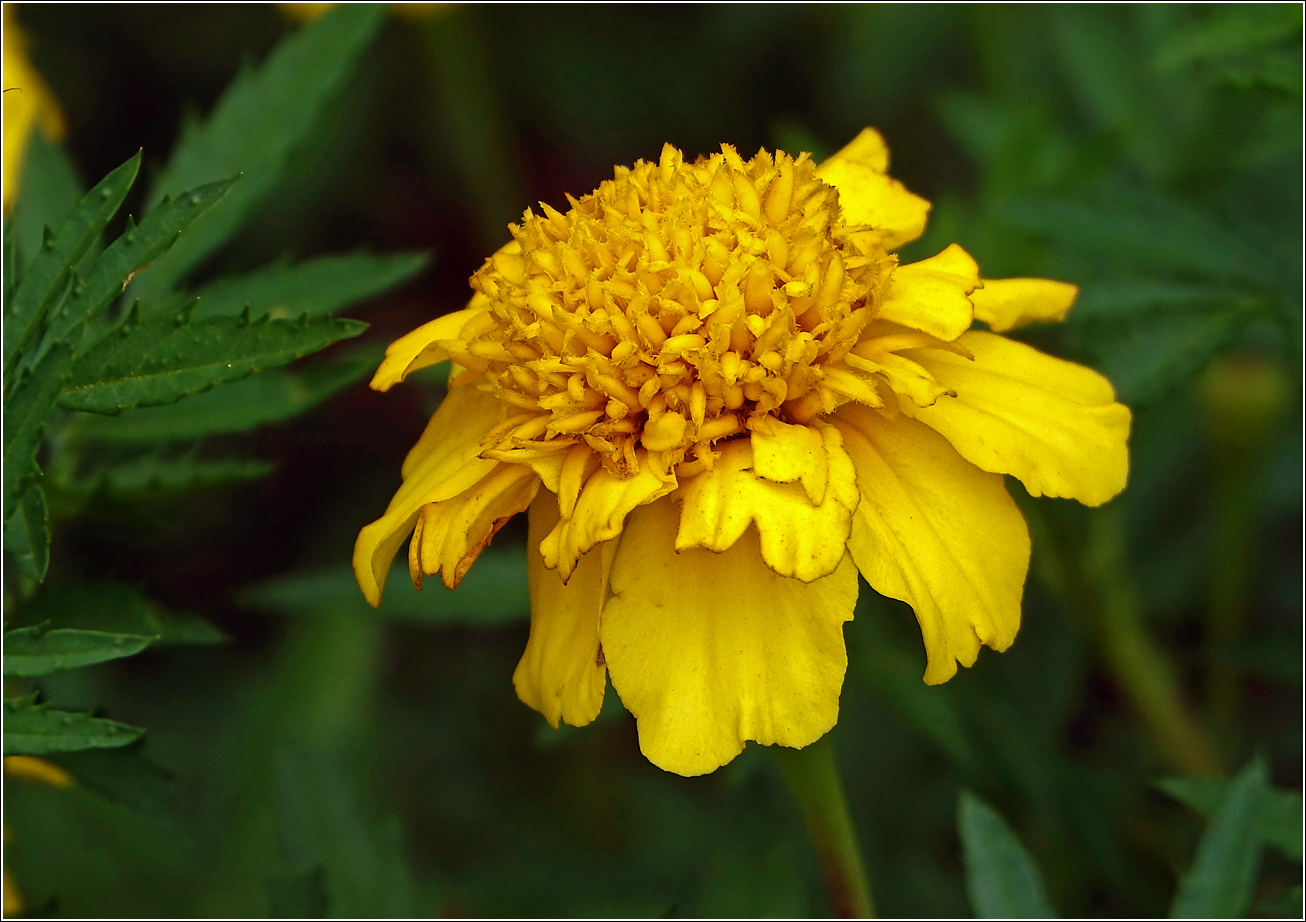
(28, 102)
(720, 397)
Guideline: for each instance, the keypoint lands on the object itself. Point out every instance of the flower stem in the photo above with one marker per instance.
(813, 778)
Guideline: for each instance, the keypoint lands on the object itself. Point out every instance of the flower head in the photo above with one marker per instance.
(720, 397)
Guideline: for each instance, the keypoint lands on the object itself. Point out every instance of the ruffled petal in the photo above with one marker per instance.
(868, 196)
(931, 295)
(599, 512)
(421, 347)
(562, 673)
(450, 535)
(1005, 304)
(444, 463)
(1052, 424)
(711, 650)
(937, 533)
(783, 453)
(799, 538)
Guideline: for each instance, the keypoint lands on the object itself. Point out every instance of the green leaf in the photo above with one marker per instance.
(27, 406)
(493, 592)
(44, 280)
(264, 398)
(1278, 815)
(1287, 903)
(126, 777)
(51, 189)
(13, 269)
(1219, 884)
(34, 651)
(366, 873)
(159, 473)
(264, 114)
(159, 360)
(1130, 299)
(114, 607)
(133, 252)
(27, 533)
(32, 729)
(1001, 877)
(315, 287)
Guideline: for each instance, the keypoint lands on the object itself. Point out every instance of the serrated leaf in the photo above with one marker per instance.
(1001, 877)
(265, 398)
(44, 279)
(1278, 815)
(160, 360)
(27, 406)
(27, 533)
(133, 252)
(159, 473)
(32, 729)
(493, 592)
(120, 609)
(316, 287)
(1219, 884)
(38, 650)
(126, 777)
(51, 189)
(264, 114)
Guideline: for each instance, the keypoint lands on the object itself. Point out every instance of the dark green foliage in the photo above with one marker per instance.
(33, 729)
(117, 608)
(159, 360)
(1278, 814)
(124, 776)
(133, 252)
(33, 651)
(51, 190)
(1001, 877)
(44, 279)
(315, 287)
(259, 122)
(1219, 884)
(270, 397)
(27, 533)
(27, 406)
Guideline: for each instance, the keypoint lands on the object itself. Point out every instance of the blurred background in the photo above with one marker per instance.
(332, 759)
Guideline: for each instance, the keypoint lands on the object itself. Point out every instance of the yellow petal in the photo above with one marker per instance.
(1053, 425)
(784, 453)
(868, 149)
(562, 674)
(450, 535)
(868, 196)
(937, 533)
(444, 463)
(29, 105)
(600, 510)
(931, 295)
(421, 347)
(1005, 304)
(799, 539)
(710, 650)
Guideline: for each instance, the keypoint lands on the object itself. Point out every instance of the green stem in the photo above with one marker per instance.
(813, 778)
(1136, 660)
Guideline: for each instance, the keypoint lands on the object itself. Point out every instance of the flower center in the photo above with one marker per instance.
(674, 304)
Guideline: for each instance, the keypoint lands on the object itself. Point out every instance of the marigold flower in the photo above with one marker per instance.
(720, 397)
